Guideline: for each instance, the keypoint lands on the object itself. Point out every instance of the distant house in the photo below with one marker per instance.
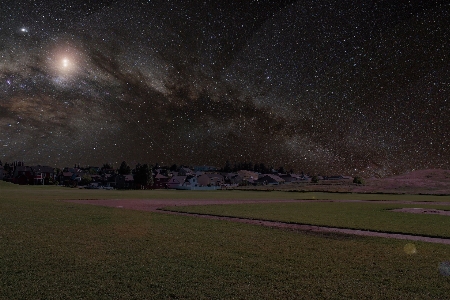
(294, 178)
(160, 181)
(124, 182)
(23, 175)
(110, 180)
(175, 181)
(233, 178)
(270, 179)
(247, 175)
(65, 177)
(191, 181)
(185, 172)
(198, 173)
(211, 180)
(42, 174)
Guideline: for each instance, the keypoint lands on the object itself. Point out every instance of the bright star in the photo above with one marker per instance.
(65, 63)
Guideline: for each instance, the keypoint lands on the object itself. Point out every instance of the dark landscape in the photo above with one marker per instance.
(191, 149)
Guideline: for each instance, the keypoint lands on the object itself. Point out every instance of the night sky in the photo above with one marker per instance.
(354, 87)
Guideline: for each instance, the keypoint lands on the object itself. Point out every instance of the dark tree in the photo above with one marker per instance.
(143, 175)
(86, 179)
(281, 170)
(173, 168)
(227, 167)
(358, 180)
(262, 168)
(124, 169)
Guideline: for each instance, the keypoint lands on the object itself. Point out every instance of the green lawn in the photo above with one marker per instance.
(56, 250)
(366, 216)
(55, 192)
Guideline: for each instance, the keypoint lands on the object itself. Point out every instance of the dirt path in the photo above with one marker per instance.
(157, 205)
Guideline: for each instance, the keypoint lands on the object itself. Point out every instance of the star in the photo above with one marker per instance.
(311, 85)
(65, 63)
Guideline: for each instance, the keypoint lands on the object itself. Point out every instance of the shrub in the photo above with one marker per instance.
(358, 180)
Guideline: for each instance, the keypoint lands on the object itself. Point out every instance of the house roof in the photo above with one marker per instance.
(272, 176)
(22, 169)
(160, 176)
(178, 178)
(213, 176)
(42, 169)
(247, 174)
(129, 177)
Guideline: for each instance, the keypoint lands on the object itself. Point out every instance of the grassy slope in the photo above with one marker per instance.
(56, 250)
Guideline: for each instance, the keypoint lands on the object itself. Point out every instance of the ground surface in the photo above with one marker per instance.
(168, 206)
(431, 181)
(52, 249)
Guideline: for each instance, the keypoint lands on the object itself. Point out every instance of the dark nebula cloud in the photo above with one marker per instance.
(357, 87)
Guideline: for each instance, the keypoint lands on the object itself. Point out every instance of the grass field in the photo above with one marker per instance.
(366, 216)
(51, 249)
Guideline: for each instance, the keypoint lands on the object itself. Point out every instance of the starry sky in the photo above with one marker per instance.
(354, 87)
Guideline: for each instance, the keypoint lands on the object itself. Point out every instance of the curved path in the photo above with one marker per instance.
(158, 205)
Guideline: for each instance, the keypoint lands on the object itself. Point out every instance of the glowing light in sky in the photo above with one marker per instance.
(65, 63)
(65, 60)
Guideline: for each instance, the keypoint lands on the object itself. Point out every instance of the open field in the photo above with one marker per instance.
(52, 249)
(372, 216)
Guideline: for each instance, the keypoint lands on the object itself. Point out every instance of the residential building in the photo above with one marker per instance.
(175, 181)
(42, 174)
(211, 180)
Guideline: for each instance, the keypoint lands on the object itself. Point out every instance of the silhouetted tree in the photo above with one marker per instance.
(143, 175)
(124, 169)
(173, 168)
(7, 167)
(262, 168)
(85, 179)
(227, 167)
(358, 180)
